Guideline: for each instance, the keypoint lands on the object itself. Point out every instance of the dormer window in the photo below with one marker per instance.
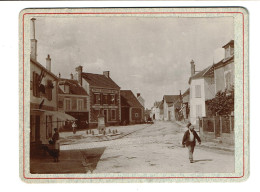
(229, 49)
(66, 89)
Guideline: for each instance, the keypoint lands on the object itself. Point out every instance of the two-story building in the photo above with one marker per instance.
(131, 109)
(104, 96)
(202, 88)
(44, 115)
(73, 100)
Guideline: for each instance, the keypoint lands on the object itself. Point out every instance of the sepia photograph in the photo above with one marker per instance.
(134, 93)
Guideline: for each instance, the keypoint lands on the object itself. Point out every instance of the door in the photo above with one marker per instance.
(37, 128)
(105, 115)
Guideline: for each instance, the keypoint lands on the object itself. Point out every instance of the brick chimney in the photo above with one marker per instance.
(192, 68)
(48, 63)
(71, 76)
(79, 74)
(138, 94)
(106, 73)
(33, 53)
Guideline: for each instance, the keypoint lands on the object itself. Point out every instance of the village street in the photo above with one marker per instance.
(146, 149)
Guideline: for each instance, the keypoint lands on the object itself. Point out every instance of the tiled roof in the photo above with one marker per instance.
(74, 87)
(99, 80)
(128, 97)
(171, 98)
(204, 73)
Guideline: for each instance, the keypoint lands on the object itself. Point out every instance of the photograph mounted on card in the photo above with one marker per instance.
(134, 95)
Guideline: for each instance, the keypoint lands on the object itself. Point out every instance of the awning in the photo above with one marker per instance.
(56, 114)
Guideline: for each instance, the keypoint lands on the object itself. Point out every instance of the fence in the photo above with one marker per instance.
(217, 127)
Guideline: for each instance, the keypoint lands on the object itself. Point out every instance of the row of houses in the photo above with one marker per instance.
(203, 86)
(56, 102)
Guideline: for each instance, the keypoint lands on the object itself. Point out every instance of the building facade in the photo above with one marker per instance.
(202, 88)
(73, 100)
(132, 111)
(168, 107)
(104, 97)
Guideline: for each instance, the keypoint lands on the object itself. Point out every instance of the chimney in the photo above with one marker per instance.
(79, 74)
(71, 76)
(138, 94)
(33, 41)
(106, 73)
(59, 75)
(48, 63)
(192, 68)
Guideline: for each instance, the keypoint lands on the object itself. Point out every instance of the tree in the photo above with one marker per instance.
(223, 103)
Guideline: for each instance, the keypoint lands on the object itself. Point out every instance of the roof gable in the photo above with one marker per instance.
(74, 87)
(99, 80)
(130, 99)
(171, 98)
(207, 72)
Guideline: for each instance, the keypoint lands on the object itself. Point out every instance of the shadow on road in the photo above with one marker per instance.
(71, 161)
(202, 160)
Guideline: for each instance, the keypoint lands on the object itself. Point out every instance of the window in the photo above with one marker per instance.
(113, 114)
(112, 97)
(198, 111)
(36, 91)
(80, 104)
(67, 104)
(105, 99)
(49, 88)
(48, 126)
(197, 91)
(227, 76)
(96, 98)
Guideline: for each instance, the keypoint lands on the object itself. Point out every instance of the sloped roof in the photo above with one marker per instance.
(74, 87)
(186, 96)
(43, 68)
(207, 72)
(99, 80)
(224, 61)
(128, 97)
(171, 98)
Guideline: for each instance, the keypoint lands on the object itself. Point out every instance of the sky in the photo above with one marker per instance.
(147, 55)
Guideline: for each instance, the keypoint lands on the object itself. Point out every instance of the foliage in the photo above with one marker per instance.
(223, 103)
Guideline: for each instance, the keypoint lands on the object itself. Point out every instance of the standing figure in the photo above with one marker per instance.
(74, 126)
(189, 139)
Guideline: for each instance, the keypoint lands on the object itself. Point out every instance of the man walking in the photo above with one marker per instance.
(189, 139)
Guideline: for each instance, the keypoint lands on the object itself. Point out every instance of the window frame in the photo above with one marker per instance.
(65, 104)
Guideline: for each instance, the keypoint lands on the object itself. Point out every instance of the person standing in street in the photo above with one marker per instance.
(74, 126)
(189, 139)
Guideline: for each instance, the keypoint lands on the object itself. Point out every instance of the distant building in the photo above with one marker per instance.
(73, 100)
(202, 88)
(185, 108)
(156, 111)
(104, 95)
(131, 110)
(168, 107)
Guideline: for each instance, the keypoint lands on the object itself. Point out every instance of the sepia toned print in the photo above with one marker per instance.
(149, 95)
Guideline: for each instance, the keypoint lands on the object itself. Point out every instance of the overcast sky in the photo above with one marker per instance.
(150, 56)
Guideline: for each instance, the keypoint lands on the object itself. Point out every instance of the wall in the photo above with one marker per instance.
(49, 105)
(137, 111)
(196, 101)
